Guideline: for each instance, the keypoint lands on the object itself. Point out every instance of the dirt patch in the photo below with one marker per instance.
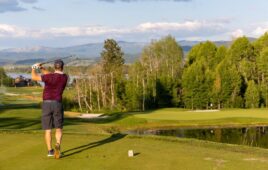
(84, 115)
(92, 116)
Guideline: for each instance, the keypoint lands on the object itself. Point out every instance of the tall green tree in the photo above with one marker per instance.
(262, 65)
(136, 88)
(252, 95)
(227, 85)
(197, 83)
(199, 75)
(112, 57)
(203, 51)
(261, 43)
(162, 61)
(241, 49)
(112, 62)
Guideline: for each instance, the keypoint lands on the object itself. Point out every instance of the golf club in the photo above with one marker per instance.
(51, 61)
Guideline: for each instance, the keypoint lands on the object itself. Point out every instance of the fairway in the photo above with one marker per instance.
(26, 151)
(102, 144)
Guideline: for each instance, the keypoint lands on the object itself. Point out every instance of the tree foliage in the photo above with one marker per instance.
(4, 79)
(210, 76)
(252, 95)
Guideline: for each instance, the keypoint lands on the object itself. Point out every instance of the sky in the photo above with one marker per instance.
(61, 23)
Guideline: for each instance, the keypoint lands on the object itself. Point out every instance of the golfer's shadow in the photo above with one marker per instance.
(82, 148)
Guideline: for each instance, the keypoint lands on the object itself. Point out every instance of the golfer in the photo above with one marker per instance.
(52, 108)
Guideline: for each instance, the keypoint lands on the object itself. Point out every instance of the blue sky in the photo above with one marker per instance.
(59, 23)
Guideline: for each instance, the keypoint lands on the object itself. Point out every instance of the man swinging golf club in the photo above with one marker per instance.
(52, 108)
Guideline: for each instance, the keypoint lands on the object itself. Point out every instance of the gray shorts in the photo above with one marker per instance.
(52, 114)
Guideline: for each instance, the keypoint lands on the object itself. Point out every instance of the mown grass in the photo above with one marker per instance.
(183, 114)
(27, 151)
(100, 144)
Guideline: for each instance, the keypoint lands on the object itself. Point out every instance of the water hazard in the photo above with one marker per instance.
(251, 136)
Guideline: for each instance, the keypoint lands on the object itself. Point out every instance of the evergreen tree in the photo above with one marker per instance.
(112, 62)
(112, 57)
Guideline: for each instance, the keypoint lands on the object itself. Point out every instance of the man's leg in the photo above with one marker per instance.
(47, 126)
(58, 135)
(48, 139)
(58, 122)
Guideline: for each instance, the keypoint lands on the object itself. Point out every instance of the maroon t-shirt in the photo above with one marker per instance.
(54, 86)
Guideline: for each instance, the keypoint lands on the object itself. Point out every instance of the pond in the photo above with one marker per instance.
(251, 136)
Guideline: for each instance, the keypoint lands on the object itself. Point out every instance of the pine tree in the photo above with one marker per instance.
(112, 62)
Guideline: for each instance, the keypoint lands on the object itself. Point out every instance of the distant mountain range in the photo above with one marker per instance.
(91, 51)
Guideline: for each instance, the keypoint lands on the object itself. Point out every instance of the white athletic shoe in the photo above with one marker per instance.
(50, 153)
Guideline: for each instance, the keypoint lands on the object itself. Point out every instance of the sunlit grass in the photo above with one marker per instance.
(88, 144)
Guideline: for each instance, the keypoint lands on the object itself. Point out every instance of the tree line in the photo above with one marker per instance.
(209, 76)
(4, 79)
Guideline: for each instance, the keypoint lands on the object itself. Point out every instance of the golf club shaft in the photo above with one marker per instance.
(51, 61)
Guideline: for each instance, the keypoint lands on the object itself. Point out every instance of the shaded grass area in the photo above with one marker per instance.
(110, 152)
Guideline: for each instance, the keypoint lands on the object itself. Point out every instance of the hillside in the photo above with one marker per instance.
(91, 51)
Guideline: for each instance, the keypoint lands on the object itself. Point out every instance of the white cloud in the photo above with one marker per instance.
(237, 33)
(82, 31)
(11, 31)
(260, 30)
(187, 27)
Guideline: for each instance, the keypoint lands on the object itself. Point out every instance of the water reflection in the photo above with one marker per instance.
(251, 136)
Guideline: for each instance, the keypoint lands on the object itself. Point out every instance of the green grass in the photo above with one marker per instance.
(88, 144)
(27, 151)
(182, 114)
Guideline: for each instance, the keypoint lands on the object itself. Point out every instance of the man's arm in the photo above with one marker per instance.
(35, 76)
